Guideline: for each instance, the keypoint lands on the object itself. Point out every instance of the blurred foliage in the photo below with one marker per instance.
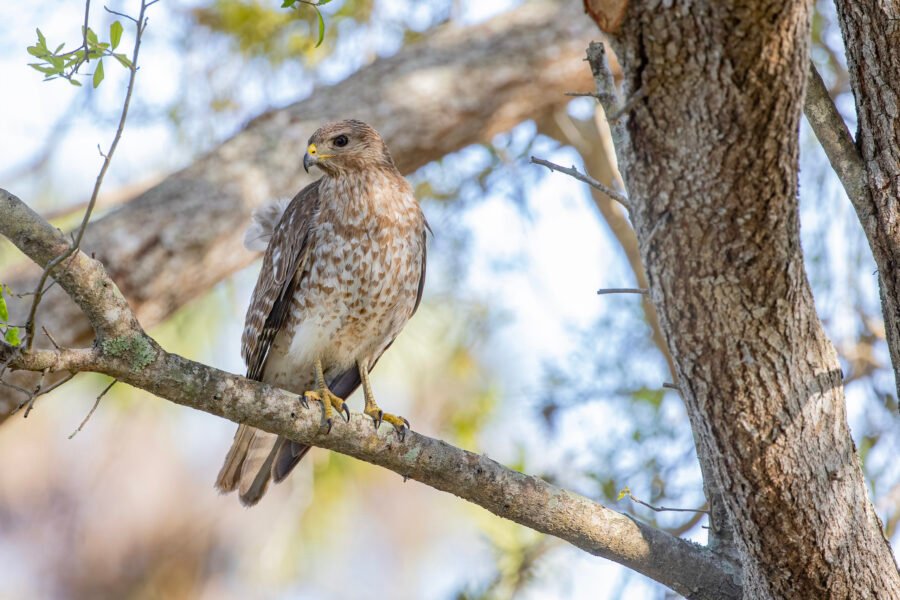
(273, 33)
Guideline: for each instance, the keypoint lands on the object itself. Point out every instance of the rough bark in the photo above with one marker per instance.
(710, 159)
(459, 87)
(122, 350)
(871, 31)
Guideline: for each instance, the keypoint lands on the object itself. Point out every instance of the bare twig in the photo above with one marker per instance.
(583, 94)
(669, 385)
(141, 24)
(605, 291)
(575, 173)
(50, 337)
(118, 14)
(93, 408)
(626, 108)
(34, 394)
(609, 99)
(59, 383)
(658, 509)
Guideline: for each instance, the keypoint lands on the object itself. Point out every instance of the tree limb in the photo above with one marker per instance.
(841, 150)
(125, 352)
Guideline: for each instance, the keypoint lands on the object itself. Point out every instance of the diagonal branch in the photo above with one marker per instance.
(841, 150)
(125, 352)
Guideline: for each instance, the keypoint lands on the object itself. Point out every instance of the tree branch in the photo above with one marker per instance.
(125, 352)
(841, 150)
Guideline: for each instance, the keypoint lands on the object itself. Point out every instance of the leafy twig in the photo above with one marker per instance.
(140, 27)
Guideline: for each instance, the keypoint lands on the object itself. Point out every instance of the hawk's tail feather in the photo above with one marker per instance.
(257, 469)
(255, 458)
(227, 480)
(288, 456)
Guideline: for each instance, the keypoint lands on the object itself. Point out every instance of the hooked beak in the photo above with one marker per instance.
(310, 158)
(313, 158)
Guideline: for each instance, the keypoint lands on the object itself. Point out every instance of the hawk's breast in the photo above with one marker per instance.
(359, 288)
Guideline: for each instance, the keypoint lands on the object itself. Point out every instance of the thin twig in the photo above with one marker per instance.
(59, 383)
(118, 14)
(84, 30)
(604, 291)
(575, 173)
(93, 408)
(663, 508)
(669, 385)
(13, 386)
(35, 393)
(50, 337)
(141, 24)
(626, 108)
(583, 94)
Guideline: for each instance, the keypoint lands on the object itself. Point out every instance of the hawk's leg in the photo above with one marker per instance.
(326, 397)
(401, 425)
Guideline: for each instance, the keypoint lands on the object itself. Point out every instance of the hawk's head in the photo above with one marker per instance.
(346, 146)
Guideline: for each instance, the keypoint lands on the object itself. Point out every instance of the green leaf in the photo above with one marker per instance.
(4, 311)
(36, 51)
(288, 3)
(12, 336)
(625, 491)
(98, 74)
(43, 69)
(123, 60)
(115, 33)
(321, 26)
(322, 2)
(58, 48)
(75, 82)
(91, 36)
(42, 41)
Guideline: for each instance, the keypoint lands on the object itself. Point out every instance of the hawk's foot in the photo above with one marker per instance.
(401, 425)
(330, 402)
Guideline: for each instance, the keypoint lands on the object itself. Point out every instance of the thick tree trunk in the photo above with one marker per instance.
(872, 37)
(459, 87)
(711, 162)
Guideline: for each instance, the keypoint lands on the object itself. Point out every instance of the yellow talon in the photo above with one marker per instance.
(401, 425)
(329, 400)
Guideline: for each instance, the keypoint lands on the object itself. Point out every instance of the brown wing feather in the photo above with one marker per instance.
(249, 462)
(270, 306)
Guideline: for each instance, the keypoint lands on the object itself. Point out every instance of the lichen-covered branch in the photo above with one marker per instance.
(122, 350)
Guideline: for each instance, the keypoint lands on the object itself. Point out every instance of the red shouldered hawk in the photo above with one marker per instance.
(342, 274)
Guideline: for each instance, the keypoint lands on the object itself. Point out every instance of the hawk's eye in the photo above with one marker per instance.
(341, 141)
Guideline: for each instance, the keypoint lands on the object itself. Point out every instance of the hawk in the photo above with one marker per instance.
(343, 272)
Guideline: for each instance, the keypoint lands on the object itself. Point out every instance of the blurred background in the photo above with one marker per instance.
(512, 354)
